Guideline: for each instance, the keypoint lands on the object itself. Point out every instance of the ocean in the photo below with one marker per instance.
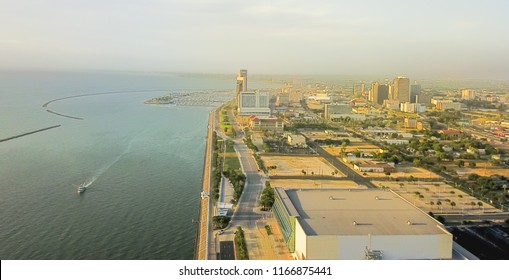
(143, 165)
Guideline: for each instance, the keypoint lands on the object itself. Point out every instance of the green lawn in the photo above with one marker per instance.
(231, 161)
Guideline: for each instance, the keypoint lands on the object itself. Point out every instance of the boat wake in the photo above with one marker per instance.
(105, 168)
(88, 183)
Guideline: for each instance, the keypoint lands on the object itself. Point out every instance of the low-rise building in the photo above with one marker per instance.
(447, 105)
(423, 125)
(296, 140)
(410, 123)
(266, 123)
(467, 94)
(376, 167)
(355, 117)
(396, 141)
(337, 108)
(408, 107)
(339, 224)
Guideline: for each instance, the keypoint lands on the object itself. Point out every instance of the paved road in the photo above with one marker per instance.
(248, 214)
(350, 174)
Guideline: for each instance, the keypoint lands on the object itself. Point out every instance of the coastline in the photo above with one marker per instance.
(200, 252)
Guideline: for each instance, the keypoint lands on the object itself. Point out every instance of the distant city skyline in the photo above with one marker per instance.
(421, 39)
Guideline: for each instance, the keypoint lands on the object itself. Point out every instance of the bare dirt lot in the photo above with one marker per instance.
(425, 195)
(295, 165)
(326, 184)
(487, 171)
(402, 173)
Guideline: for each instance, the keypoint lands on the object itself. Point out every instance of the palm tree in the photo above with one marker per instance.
(473, 204)
(453, 204)
(479, 204)
(431, 203)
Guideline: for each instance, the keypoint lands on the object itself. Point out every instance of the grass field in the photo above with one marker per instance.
(231, 161)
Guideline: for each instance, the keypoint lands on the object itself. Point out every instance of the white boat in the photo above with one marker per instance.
(81, 189)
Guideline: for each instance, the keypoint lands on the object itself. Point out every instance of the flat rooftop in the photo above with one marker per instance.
(357, 212)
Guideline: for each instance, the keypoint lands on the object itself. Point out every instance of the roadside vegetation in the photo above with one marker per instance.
(267, 197)
(227, 166)
(220, 222)
(216, 166)
(240, 245)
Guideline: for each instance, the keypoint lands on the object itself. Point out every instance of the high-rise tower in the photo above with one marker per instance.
(402, 89)
(415, 90)
(241, 85)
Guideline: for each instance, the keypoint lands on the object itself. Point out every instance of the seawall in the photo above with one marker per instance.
(201, 251)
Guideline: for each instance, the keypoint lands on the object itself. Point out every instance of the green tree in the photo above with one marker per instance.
(240, 245)
(453, 204)
(267, 198)
(220, 222)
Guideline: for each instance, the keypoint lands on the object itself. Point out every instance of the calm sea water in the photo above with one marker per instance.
(144, 163)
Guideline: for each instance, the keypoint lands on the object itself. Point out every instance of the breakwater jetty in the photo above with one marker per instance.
(30, 132)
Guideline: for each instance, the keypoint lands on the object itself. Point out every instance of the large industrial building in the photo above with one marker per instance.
(331, 224)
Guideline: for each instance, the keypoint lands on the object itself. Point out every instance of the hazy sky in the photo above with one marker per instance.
(460, 39)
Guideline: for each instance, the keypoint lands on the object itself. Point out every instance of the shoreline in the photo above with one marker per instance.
(200, 252)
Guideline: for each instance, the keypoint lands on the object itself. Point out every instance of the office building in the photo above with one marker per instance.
(337, 108)
(254, 103)
(468, 94)
(381, 94)
(402, 89)
(415, 90)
